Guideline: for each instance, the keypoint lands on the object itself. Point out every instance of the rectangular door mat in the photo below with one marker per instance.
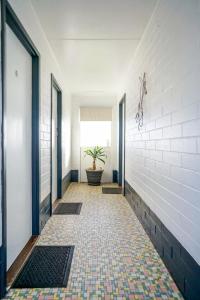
(111, 190)
(68, 209)
(46, 267)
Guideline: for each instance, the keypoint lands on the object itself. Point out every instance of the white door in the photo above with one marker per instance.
(18, 146)
(54, 145)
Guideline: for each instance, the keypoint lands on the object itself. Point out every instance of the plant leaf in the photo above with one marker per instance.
(103, 161)
(96, 152)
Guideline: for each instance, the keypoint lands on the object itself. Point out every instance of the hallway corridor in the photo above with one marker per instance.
(113, 258)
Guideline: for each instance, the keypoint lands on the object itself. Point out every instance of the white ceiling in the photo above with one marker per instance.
(94, 40)
(94, 99)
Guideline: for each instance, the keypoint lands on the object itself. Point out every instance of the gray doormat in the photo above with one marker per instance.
(111, 190)
(46, 267)
(68, 209)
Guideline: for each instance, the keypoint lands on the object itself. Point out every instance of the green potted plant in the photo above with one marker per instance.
(94, 175)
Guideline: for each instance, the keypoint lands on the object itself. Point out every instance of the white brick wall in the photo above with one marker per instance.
(163, 160)
(48, 65)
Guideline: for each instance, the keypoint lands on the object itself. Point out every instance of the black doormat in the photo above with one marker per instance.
(111, 190)
(46, 267)
(68, 209)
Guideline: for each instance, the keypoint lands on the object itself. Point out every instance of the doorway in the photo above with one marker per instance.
(122, 125)
(20, 146)
(56, 141)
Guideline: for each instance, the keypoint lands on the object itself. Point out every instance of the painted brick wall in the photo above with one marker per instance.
(163, 159)
(48, 65)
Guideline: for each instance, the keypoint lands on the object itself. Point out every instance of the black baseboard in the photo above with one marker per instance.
(74, 175)
(2, 272)
(66, 182)
(183, 268)
(115, 176)
(45, 205)
(45, 211)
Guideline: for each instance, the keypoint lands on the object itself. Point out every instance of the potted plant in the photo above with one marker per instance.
(94, 175)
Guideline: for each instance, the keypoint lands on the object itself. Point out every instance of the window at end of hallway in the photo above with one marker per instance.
(95, 133)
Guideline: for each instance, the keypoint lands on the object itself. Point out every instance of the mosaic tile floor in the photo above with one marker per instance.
(113, 258)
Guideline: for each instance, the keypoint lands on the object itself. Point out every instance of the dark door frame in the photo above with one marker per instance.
(122, 132)
(55, 85)
(8, 17)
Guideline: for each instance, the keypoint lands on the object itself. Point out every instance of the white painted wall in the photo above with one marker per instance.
(163, 160)
(91, 101)
(18, 150)
(48, 65)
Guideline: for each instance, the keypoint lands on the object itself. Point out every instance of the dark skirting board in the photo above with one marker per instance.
(111, 190)
(46, 267)
(184, 269)
(68, 209)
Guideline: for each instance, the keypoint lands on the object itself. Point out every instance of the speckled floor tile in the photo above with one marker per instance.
(113, 258)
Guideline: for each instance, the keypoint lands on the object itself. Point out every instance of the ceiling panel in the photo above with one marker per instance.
(94, 65)
(94, 18)
(94, 41)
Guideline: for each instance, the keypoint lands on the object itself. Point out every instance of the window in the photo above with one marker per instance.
(95, 133)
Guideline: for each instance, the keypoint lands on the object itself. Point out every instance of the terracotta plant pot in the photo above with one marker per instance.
(94, 176)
